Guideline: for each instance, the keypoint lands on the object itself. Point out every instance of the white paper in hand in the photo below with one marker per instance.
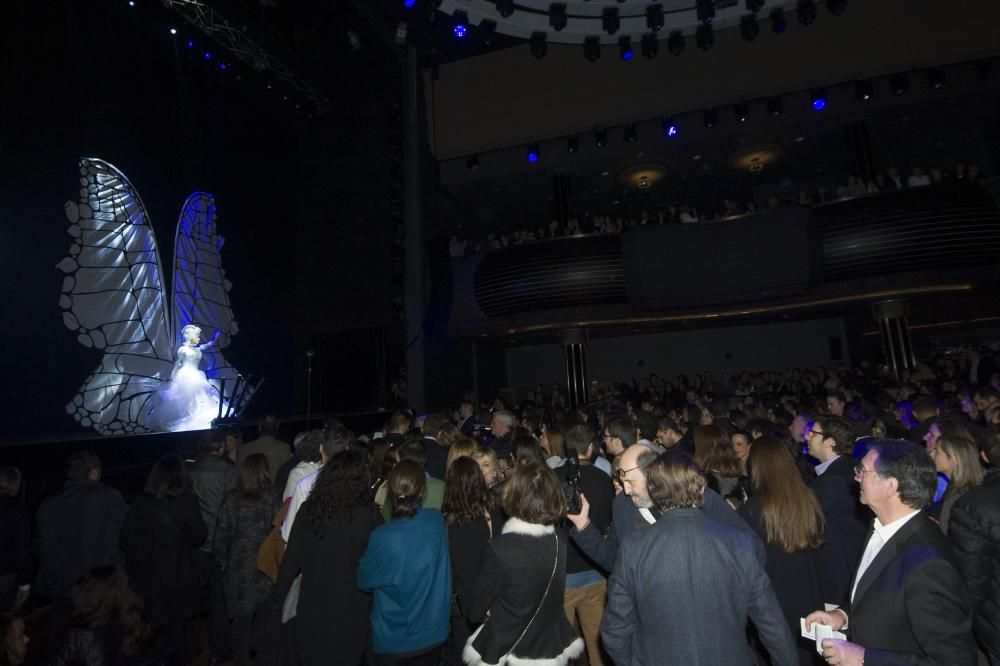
(819, 632)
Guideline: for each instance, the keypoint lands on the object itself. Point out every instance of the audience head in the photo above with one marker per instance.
(412, 449)
(714, 452)
(674, 481)
(924, 408)
(645, 425)
(13, 641)
(466, 498)
(254, 478)
(466, 409)
(526, 448)
(448, 434)
(896, 474)
(212, 443)
(502, 422)
(377, 450)
(797, 428)
(342, 488)
(553, 442)
(463, 446)
(828, 437)
(632, 473)
(836, 402)
(619, 434)
(10, 481)
(534, 494)
(267, 426)
(958, 459)
(432, 425)
(489, 465)
(83, 466)
(668, 433)
(580, 437)
(407, 486)
(946, 428)
(741, 445)
(168, 478)
(792, 515)
(307, 448)
(399, 423)
(334, 441)
(103, 597)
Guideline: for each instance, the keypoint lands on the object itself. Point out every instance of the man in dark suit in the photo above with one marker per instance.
(682, 591)
(908, 603)
(633, 510)
(830, 440)
(467, 418)
(437, 455)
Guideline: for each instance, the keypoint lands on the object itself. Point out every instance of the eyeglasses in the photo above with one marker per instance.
(620, 473)
(813, 431)
(860, 471)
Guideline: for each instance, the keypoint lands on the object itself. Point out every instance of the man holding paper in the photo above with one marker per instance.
(909, 604)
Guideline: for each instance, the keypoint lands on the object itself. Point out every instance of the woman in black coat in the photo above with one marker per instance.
(244, 522)
(519, 591)
(789, 520)
(161, 532)
(328, 538)
(466, 510)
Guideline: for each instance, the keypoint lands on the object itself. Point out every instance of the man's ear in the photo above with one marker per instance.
(891, 486)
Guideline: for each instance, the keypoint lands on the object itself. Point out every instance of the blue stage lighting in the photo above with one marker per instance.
(670, 127)
(818, 100)
(461, 27)
(223, 66)
(190, 44)
(625, 51)
(533, 153)
(409, 3)
(208, 56)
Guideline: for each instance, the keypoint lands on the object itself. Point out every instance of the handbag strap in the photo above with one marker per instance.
(555, 565)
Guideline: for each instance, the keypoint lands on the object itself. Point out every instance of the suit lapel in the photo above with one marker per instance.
(885, 556)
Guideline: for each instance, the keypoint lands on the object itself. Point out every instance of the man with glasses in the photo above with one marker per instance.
(633, 510)
(908, 602)
(830, 441)
(619, 434)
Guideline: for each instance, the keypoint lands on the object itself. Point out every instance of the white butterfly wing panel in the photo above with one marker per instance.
(112, 298)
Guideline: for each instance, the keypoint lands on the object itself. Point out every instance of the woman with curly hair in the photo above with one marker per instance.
(466, 510)
(328, 538)
(106, 626)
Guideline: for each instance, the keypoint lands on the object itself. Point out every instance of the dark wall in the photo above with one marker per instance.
(89, 78)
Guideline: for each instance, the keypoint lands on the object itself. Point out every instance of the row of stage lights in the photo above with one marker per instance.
(774, 107)
(223, 66)
(805, 11)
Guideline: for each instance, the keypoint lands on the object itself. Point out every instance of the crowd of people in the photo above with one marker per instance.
(687, 213)
(828, 515)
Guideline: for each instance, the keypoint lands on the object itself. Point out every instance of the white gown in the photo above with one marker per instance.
(187, 401)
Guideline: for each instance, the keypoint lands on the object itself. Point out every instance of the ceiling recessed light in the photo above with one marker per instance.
(799, 139)
(605, 173)
(696, 157)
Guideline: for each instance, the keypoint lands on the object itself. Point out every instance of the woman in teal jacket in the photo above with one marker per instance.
(406, 566)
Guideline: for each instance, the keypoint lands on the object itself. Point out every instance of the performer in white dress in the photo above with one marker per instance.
(188, 401)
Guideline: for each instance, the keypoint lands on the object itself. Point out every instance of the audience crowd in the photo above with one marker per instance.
(827, 515)
(686, 213)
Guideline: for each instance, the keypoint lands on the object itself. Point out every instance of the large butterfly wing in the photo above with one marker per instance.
(200, 287)
(112, 297)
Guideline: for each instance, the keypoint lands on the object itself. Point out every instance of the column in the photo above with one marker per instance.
(893, 318)
(574, 343)
(413, 236)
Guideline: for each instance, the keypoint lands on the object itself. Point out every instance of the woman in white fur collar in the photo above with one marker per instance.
(520, 587)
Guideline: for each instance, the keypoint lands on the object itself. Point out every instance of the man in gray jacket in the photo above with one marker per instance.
(681, 591)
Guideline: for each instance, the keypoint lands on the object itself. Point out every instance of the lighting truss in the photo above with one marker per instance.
(213, 24)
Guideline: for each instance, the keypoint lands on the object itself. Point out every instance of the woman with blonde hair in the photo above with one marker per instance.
(463, 447)
(958, 459)
(789, 520)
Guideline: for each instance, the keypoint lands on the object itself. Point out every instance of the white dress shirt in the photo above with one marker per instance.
(822, 467)
(302, 490)
(880, 536)
(304, 468)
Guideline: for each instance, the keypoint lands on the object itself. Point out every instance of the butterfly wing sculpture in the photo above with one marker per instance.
(114, 298)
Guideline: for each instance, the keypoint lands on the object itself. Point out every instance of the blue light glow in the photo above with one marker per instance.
(190, 44)
(459, 30)
(627, 55)
(819, 104)
(409, 3)
(223, 66)
(672, 130)
(208, 56)
(532, 156)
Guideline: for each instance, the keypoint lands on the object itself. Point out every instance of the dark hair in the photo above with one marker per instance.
(398, 421)
(254, 478)
(335, 440)
(793, 518)
(407, 487)
(912, 468)
(674, 481)
(466, 498)
(645, 423)
(168, 478)
(526, 448)
(10, 481)
(341, 489)
(432, 424)
(713, 451)
(840, 431)
(211, 442)
(307, 448)
(377, 450)
(622, 429)
(267, 425)
(533, 494)
(448, 434)
(103, 601)
(81, 464)
(990, 445)
(413, 449)
(666, 423)
(579, 437)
